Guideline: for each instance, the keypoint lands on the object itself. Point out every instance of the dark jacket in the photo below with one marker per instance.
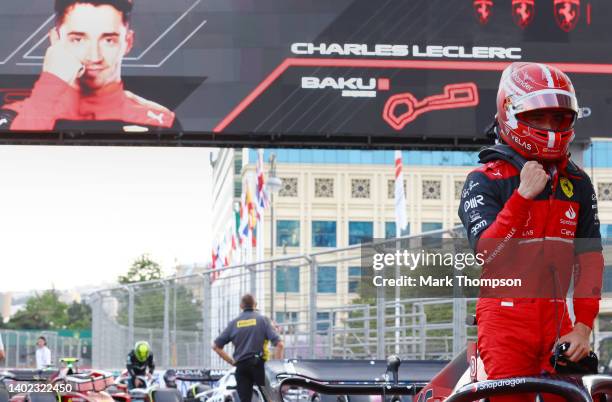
(136, 367)
(559, 228)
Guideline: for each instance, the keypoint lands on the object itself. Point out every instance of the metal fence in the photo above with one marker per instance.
(20, 348)
(314, 304)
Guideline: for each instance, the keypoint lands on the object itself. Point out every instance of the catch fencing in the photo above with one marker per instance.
(20, 348)
(316, 307)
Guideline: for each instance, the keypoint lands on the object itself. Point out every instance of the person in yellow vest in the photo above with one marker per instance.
(250, 334)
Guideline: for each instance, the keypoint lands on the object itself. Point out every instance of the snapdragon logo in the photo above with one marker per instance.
(504, 383)
(353, 87)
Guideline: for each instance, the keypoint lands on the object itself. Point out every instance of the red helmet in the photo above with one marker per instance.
(536, 110)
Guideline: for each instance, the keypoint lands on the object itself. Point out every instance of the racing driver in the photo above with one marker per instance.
(80, 85)
(529, 196)
(139, 363)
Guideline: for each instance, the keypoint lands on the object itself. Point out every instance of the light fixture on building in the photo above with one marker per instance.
(273, 183)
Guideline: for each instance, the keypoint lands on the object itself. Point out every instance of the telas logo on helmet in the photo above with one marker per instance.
(522, 142)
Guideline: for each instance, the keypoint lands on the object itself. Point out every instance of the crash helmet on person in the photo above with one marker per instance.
(536, 111)
(142, 351)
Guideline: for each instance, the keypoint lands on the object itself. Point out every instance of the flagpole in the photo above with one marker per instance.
(260, 257)
(400, 224)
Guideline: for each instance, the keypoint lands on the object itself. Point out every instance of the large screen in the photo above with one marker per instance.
(379, 73)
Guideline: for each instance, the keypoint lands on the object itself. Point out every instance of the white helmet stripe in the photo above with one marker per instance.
(548, 75)
(551, 139)
(512, 89)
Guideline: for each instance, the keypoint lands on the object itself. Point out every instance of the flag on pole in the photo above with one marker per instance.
(400, 196)
(214, 259)
(261, 198)
(237, 216)
(217, 261)
(243, 228)
(250, 209)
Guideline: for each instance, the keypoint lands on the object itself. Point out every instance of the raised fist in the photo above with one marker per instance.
(533, 180)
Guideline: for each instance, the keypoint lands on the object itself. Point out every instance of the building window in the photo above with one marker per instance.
(390, 230)
(360, 188)
(323, 233)
(391, 189)
(286, 317)
(607, 279)
(288, 233)
(360, 232)
(606, 231)
(326, 279)
(324, 188)
(431, 241)
(289, 187)
(604, 191)
(288, 321)
(354, 276)
(237, 162)
(287, 279)
(429, 226)
(431, 189)
(324, 321)
(458, 189)
(237, 188)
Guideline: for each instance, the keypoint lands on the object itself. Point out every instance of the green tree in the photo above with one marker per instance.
(142, 269)
(79, 316)
(149, 298)
(43, 311)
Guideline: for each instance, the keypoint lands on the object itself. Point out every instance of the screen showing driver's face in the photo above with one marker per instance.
(99, 39)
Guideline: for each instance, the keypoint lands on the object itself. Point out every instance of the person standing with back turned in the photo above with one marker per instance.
(250, 334)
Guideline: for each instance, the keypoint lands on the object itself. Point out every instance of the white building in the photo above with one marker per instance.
(335, 198)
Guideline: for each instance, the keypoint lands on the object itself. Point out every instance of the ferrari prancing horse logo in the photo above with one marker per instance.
(567, 187)
(567, 13)
(523, 12)
(483, 9)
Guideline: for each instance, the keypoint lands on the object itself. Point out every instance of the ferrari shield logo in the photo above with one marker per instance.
(567, 13)
(523, 12)
(483, 10)
(567, 187)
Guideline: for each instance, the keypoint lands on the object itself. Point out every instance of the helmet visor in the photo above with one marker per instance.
(551, 119)
(545, 99)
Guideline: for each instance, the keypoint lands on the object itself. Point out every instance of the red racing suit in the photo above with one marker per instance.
(53, 105)
(548, 240)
